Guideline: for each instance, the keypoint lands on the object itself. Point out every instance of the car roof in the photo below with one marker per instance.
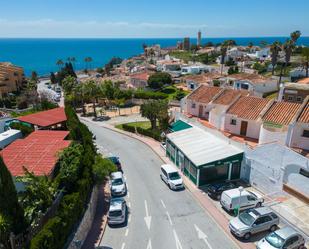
(168, 168)
(235, 192)
(263, 210)
(116, 204)
(116, 175)
(286, 232)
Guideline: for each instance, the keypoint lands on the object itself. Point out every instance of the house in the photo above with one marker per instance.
(220, 105)
(294, 92)
(278, 122)
(194, 69)
(11, 78)
(194, 81)
(139, 80)
(50, 119)
(258, 84)
(297, 73)
(8, 137)
(169, 65)
(38, 153)
(300, 131)
(260, 54)
(244, 116)
(198, 103)
(203, 157)
(273, 167)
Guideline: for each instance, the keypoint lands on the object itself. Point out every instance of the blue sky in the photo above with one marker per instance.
(156, 18)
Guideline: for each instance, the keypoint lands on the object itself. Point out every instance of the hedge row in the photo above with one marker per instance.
(150, 95)
(155, 134)
(25, 129)
(56, 231)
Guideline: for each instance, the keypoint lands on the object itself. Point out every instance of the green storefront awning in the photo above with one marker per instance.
(179, 126)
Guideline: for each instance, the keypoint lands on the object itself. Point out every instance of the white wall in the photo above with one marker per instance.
(195, 111)
(253, 128)
(217, 115)
(298, 140)
(269, 135)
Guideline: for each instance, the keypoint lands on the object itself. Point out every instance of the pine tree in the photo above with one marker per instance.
(9, 206)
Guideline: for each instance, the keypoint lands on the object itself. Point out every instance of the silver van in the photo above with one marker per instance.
(253, 221)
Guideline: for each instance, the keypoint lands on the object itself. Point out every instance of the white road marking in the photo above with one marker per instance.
(127, 232)
(149, 246)
(123, 245)
(163, 204)
(178, 244)
(147, 218)
(201, 235)
(169, 218)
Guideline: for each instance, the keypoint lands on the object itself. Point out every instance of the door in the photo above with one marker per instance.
(200, 111)
(243, 128)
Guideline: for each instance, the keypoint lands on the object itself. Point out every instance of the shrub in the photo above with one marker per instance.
(155, 134)
(128, 128)
(25, 129)
(149, 95)
(159, 79)
(102, 168)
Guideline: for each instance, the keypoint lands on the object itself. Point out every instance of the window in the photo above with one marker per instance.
(299, 99)
(192, 86)
(193, 105)
(274, 216)
(290, 98)
(251, 198)
(233, 121)
(291, 241)
(304, 172)
(306, 133)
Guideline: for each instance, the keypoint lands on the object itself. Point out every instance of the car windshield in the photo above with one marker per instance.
(246, 218)
(275, 240)
(115, 213)
(174, 176)
(117, 182)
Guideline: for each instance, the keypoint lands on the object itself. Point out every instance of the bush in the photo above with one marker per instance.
(155, 134)
(128, 128)
(159, 79)
(25, 129)
(150, 95)
(102, 168)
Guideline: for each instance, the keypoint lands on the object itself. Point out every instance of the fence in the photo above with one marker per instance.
(21, 240)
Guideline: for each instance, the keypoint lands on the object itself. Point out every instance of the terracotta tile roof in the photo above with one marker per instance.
(204, 94)
(281, 113)
(303, 81)
(37, 152)
(248, 107)
(45, 118)
(140, 76)
(304, 116)
(228, 96)
(203, 78)
(254, 78)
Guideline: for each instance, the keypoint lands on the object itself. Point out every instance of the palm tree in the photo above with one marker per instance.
(275, 48)
(305, 54)
(223, 50)
(59, 63)
(287, 47)
(93, 92)
(295, 35)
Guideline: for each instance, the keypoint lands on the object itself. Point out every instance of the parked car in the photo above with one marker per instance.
(171, 177)
(58, 90)
(116, 161)
(117, 212)
(284, 238)
(254, 221)
(232, 199)
(118, 185)
(215, 190)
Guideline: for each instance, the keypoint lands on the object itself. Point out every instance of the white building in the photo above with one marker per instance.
(8, 137)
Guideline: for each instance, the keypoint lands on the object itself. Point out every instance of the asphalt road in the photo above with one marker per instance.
(158, 217)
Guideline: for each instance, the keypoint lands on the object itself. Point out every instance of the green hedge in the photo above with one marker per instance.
(155, 134)
(25, 129)
(150, 95)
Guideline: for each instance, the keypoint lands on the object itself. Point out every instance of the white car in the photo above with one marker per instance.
(118, 185)
(171, 177)
(234, 199)
(117, 211)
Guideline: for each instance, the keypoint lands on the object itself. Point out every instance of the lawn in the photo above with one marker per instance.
(142, 124)
(172, 92)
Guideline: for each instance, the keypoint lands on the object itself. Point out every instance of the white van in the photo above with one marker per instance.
(232, 199)
(171, 177)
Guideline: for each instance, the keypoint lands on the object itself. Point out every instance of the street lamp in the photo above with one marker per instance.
(240, 189)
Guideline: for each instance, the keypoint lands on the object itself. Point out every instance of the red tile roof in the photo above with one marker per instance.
(281, 113)
(304, 116)
(228, 96)
(248, 107)
(45, 118)
(204, 94)
(37, 152)
(254, 78)
(140, 76)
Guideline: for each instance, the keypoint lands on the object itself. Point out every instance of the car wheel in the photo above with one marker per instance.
(259, 204)
(169, 186)
(247, 236)
(218, 197)
(273, 228)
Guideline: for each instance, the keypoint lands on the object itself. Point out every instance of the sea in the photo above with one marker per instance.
(41, 54)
